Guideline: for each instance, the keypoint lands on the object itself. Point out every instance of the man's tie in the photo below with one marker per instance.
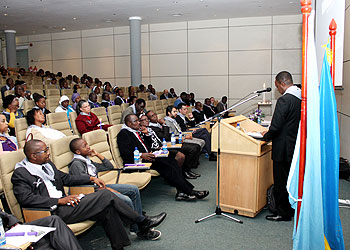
(45, 170)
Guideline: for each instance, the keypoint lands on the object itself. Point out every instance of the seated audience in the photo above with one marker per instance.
(102, 205)
(191, 99)
(40, 103)
(107, 88)
(8, 143)
(106, 101)
(96, 90)
(222, 105)
(165, 95)
(141, 89)
(11, 111)
(21, 72)
(190, 150)
(20, 95)
(75, 99)
(86, 120)
(129, 137)
(131, 100)
(10, 85)
(63, 84)
(82, 165)
(131, 91)
(152, 96)
(37, 130)
(119, 99)
(213, 104)
(61, 238)
(198, 113)
(172, 93)
(149, 88)
(181, 99)
(174, 127)
(208, 109)
(189, 122)
(93, 100)
(65, 107)
(136, 109)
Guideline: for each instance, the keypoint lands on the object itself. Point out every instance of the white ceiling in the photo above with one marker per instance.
(50, 16)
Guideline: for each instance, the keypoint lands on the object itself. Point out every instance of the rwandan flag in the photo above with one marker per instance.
(330, 159)
(309, 234)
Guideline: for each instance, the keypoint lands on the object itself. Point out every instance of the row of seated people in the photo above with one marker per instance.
(170, 172)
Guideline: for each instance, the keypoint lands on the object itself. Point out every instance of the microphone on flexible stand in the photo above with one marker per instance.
(261, 91)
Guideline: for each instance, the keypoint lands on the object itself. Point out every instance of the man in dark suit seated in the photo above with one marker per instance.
(165, 95)
(200, 133)
(283, 133)
(208, 109)
(61, 238)
(38, 184)
(222, 105)
(198, 113)
(130, 137)
(119, 100)
(190, 150)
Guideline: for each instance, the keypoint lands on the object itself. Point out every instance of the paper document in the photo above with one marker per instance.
(256, 135)
(18, 241)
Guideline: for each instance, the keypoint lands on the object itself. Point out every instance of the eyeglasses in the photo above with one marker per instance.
(144, 119)
(42, 151)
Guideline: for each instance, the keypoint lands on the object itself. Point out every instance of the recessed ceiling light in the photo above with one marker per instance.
(157, 9)
(63, 28)
(177, 14)
(291, 2)
(108, 21)
(74, 18)
(175, 2)
(201, 0)
(5, 14)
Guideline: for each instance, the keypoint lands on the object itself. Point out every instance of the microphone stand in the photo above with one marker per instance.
(218, 210)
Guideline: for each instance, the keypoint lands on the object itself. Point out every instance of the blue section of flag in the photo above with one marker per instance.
(330, 159)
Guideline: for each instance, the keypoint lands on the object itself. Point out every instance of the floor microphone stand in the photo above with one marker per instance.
(218, 211)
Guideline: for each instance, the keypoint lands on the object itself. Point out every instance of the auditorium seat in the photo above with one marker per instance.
(52, 102)
(9, 92)
(112, 138)
(97, 140)
(28, 105)
(124, 106)
(158, 107)
(114, 114)
(53, 93)
(100, 112)
(150, 105)
(59, 121)
(20, 131)
(67, 92)
(72, 117)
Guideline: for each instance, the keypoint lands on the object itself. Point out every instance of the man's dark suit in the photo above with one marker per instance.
(208, 111)
(162, 97)
(167, 167)
(102, 205)
(283, 133)
(198, 116)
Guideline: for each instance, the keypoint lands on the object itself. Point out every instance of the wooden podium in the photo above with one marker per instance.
(245, 166)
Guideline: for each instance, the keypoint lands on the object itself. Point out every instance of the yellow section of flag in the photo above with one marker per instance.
(326, 245)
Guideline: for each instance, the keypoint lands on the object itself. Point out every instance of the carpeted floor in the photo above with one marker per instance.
(180, 232)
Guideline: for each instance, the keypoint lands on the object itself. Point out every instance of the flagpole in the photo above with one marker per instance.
(305, 10)
(332, 33)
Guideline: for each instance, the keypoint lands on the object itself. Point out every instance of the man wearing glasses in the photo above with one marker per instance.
(38, 184)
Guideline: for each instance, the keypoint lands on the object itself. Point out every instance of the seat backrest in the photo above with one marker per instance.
(164, 104)
(72, 117)
(112, 97)
(67, 92)
(59, 121)
(28, 105)
(7, 165)
(50, 86)
(99, 98)
(20, 130)
(39, 91)
(124, 106)
(112, 139)
(150, 105)
(161, 116)
(114, 114)
(100, 112)
(159, 107)
(83, 91)
(53, 92)
(97, 140)
(52, 103)
(9, 92)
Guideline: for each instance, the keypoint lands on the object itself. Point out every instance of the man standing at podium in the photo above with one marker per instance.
(283, 133)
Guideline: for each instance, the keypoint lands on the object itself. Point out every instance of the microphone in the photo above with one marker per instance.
(261, 91)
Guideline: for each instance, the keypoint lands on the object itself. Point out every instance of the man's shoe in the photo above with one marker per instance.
(274, 217)
(151, 221)
(185, 197)
(151, 234)
(200, 194)
(188, 175)
(194, 174)
(212, 157)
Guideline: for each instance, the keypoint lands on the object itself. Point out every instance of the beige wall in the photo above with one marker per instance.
(343, 97)
(210, 58)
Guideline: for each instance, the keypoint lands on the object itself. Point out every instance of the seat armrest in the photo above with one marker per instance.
(31, 214)
(81, 189)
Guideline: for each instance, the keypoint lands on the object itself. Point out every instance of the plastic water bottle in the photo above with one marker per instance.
(165, 147)
(173, 139)
(2, 234)
(180, 137)
(238, 126)
(136, 156)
